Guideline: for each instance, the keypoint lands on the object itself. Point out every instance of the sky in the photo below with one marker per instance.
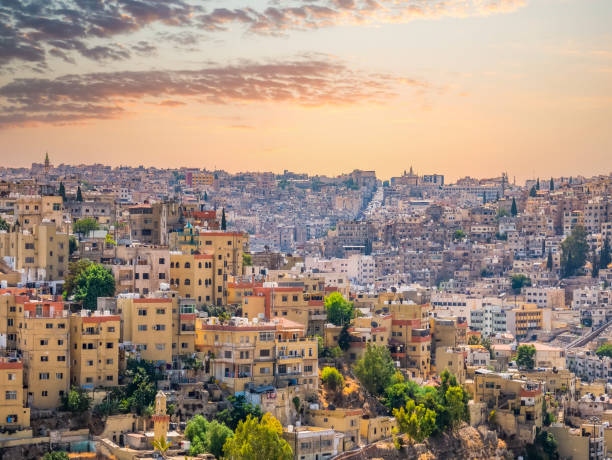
(455, 87)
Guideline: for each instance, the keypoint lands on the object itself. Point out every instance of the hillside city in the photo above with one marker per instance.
(193, 313)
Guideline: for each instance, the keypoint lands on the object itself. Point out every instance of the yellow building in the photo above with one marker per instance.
(13, 413)
(196, 277)
(526, 318)
(410, 340)
(158, 328)
(347, 421)
(44, 342)
(94, 350)
(377, 428)
(259, 353)
(31, 210)
(39, 255)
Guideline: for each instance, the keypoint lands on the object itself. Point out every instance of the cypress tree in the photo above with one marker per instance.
(532, 192)
(205, 196)
(552, 184)
(594, 264)
(223, 220)
(79, 196)
(549, 262)
(62, 191)
(604, 256)
(538, 184)
(513, 209)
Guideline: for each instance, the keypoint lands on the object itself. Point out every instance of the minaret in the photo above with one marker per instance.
(47, 164)
(161, 421)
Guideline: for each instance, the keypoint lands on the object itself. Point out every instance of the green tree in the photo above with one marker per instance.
(455, 405)
(75, 269)
(474, 340)
(216, 436)
(95, 281)
(605, 256)
(196, 433)
(551, 186)
(525, 356)
(332, 379)
(339, 311)
(375, 369)
(205, 196)
(574, 250)
(520, 281)
(4, 225)
(538, 184)
(62, 191)
(549, 261)
(223, 220)
(416, 421)
(240, 409)
(605, 350)
(162, 445)
(458, 235)
(85, 225)
(247, 260)
(533, 192)
(513, 209)
(72, 244)
(344, 339)
(76, 400)
(258, 440)
(594, 264)
(56, 455)
(79, 195)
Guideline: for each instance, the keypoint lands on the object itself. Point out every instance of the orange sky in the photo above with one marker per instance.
(517, 86)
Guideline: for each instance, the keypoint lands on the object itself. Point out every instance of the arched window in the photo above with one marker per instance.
(187, 281)
(199, 282)
(199, 264)
(171, 264)
(187, 265)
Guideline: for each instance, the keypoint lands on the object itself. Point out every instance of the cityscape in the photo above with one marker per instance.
(305, 229)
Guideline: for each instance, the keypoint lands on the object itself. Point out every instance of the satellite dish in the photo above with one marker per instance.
(374, 324)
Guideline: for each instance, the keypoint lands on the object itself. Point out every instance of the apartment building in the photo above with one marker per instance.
(39, 255)
(523, 320)
(14, 414)
(517, 403)
(545, 297)
(346, 421)
(588, 366)
(44, 343)
(410, 341)
(376, 428)
(32, 210)
(199, 179)
(313, 443)
(445, 333)
(258, 353)
(140, 269)
(489, 320)
(94, 349)
(150, 223)
(201, 277)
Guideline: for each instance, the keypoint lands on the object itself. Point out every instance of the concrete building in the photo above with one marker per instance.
(14, 414)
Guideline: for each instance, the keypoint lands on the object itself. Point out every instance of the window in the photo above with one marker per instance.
(142, 312)
(90, 362)
(61, 358)
(60, 342)
(111, 329)
(43, 376)
(109, 344)
(59, 376)
(159, 327)
(109, 378)
(61, 326)
(10, 395)
(44, 359)
(142, 327)
(44, 342)
(187, 281)
(162, 276)
(160, 346)
(162, 261)
(145, 276)
(29, 260)
(264, 353)
(12, 418)
(228, 354)
(11, 376)
(45, 393)
(264, 370)
(109, 361)
(161, 311)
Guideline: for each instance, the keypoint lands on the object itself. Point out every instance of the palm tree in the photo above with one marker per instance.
(162, 445)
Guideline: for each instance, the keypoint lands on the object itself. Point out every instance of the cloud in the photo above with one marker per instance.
(31, 30)
(104, 95)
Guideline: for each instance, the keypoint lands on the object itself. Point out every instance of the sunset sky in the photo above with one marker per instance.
(457, 87)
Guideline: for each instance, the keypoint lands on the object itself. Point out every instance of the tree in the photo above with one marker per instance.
(205, 196)
(375, 369)
(604, 350)
(258, 440)
(474, 340)
(162, 445)
(339, 311)
(247, 260)
(344, 339)
(75, 269)
(76, 401)
(454, 399)
(85, 225)
(195, 432)
(332, 379)
(538, 184)
(594, 264)
(551, 186)
(79, 195)
(217, 435)
(62, 191)
(574, 251)
(549, 261)
(520, 281)
(458, 235)
(605, 256)
(416, 421)
(223, 220)
(240, 409)
(72, 244)
(533, 192)
(56, 455)
(513, 209)
(525, 356)
(95, 281)
(4, 225)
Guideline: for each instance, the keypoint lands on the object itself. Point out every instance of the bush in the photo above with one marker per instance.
(332, 379)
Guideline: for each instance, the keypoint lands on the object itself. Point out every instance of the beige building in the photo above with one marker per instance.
(345, 421)
(313, 443)
(377, 428)
(44, 342)
(140, 269)
(94, 349)
(13, 412)
(39, 255)
(32, 210)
